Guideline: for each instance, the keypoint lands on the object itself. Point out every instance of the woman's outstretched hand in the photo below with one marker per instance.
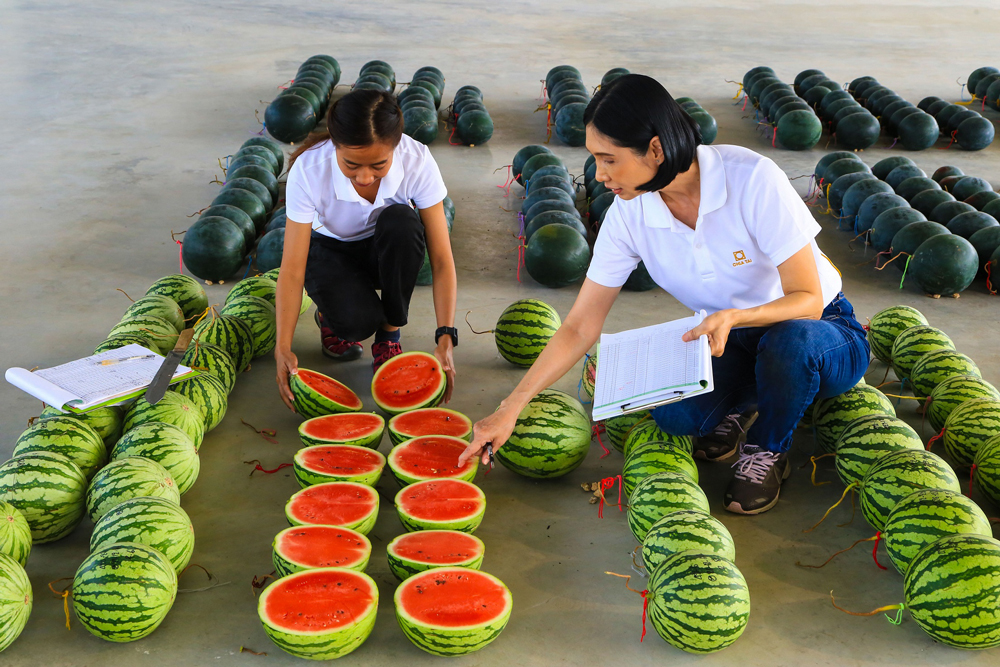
(445, 356)
(288, 365)
(493, 429)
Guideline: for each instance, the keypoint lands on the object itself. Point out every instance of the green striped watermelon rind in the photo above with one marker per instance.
(465, 525)
(551, 438)
(686, 530)
(619, 427)
(174, 409)
(259, 286)
(647, 431)
(433, 401)
(653, 457)
(397, 437)
(306, 477)
(185, 291)
(123, 591)
(123, 339)
(698, 602)
(15, 534)
(284, 566)
(912, 344)
(833, 414)
(370, 440)
(658, 495)
(886, 326)
(405, 478)
(321, 645)
(209, 393)
(15, 592)
(155, 522)
(161, 332)
(867, 439)
(107, 421)
(310, 403)
(987, 474)
(952, 393)
(447, 641)
(363, 525)
(259, 315)
(951, 589)
(49, 489)
(166, 444)
(968, 426)
(524, 329)
(127, 478)
(159, 305)
(897, 475)
(65, 435)
(937, 366)
(230, 333)
(924, 517)
(403, 568)
(588, 377)
(212, 359)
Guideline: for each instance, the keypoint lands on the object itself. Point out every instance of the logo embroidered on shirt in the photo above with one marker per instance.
(741, 258)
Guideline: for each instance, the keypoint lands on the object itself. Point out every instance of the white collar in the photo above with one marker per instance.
(712, 177)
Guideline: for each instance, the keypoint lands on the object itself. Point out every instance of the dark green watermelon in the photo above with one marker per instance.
(421, 124)
(888, 224)
(856, 195)
(639, 280)
(975, 134)
(858, 131)
(556, 256)
(598, 207)
(523, 155)
(551, 181)
(213, 248)
(909, 238)
(928, 200)
(560, 72)
(569, 124)
(239, 218)
(246, 201)
(269, 250)
(944, 265)
(248, 160)
(760, 69)
(967, 224)
(262, 153)
(979, 200)
(948, 182)
(254, 186)
(414, 92)
(475, 127)
(874, 206)
(844, 112)
(289, 118)
(276, 222)
(946, 171)
(913, 186)
(799, 130)
(706, 123)
(803, 75)
(546, 194)
(310, 92)
(538, 161)
(985, 241)
(432, 89)
(272, 146)
(945, 114)
(841, 167)
(793, 105)
(901, 173)
(815, 95)
(554, 218)
(819, 170)
(377, 78)
(412, 102)
(835, 195)
(884, 167)
(944, 212)
(984, 84)
(550, 205)
(613, 74)
(957, 119)
(552, 170)
(967, 186)
(977, 75)
(263, 176)
(927, 101)
(900, 115)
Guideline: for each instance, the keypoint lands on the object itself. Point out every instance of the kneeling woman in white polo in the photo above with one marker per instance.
(721, 229)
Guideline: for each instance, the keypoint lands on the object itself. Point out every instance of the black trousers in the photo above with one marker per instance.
(342, 276)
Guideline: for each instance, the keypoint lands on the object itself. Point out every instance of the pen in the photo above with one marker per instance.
(489, 451)
(120, 360)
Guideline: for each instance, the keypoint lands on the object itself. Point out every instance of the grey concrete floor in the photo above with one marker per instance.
(113, 117)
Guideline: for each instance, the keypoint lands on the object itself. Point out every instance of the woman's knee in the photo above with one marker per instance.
(678, 419)
(399, 217)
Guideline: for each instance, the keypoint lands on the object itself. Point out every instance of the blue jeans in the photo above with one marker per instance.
(781, 369)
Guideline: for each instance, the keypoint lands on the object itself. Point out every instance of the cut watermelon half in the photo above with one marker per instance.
(346, 504)
(337, 463)
(441, 504)
(429, 421)
(363, 429)
(310, 547)
(411, 553)
(452, 610)
(408, 381)
(319, 614)
(317, 395)
(431, 457)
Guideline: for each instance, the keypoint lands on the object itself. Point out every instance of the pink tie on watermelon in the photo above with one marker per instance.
(441, 504)
(337, 463)
(363, 429)
(430, 457)
(317, 395)
(346, 504)
(409, 381)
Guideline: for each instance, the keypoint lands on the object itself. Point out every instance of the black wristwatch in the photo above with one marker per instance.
(447, 331)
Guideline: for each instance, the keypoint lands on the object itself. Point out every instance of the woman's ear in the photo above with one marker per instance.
(655, 150)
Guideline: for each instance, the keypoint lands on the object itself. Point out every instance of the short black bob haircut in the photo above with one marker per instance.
(633, 109)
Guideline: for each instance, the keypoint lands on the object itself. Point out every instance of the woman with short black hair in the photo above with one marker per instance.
(351, 230)
(721, 229)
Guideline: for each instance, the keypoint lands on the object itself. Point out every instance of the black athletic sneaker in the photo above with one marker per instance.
(759, 474)
(722, 443)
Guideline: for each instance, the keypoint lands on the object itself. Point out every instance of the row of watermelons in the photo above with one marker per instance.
(945, 225)
(984, 84)
(294, 113)
(566, 98)
(127, 467)
(794, 123)
(940, 540)
(472, 122)
(419, 102)
(326, 547)
(217, 244)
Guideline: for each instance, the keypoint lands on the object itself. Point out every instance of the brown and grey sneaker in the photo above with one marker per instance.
(723, 442)
(757, 482)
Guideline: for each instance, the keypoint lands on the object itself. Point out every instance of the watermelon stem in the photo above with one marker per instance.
(853, 510)
(812, 460)
(607, 484)
(259, 467)
(244, 649)
(478, 333)
(827, 561)
(256, 584)
(898, 255)
(267, 433)
(878, 536)
(126, 294)
(889, 607)
(64, 594)
(930, 443)
(645, 600)
(850, 487)
(598, 429)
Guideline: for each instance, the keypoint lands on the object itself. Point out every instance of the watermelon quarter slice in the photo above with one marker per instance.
(317, 395)
(430, 457)
(441, 504)
(337, 463)
(411, 553)
(310, 547)
(319, 614)
(345, 504)
(363, 429)
(429, 421)
(408, 381)
(452, 610)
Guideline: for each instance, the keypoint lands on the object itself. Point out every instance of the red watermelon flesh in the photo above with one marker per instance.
(330, 388)
(441, 500)
(333, 504)
(441, 547)
(432, 456)
(340, 459)
(453, 598)
(344, 426)
(319, 600)
(431, 421)
(322, 546)
(408, 381)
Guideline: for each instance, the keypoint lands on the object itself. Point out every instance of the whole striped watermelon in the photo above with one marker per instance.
(185, 291)
(926, 516)
(259, 286)
(834, 414)
(969, 426)
(523, 330)
(158, 305)
(317, 395)
(166, 444)
(589, 374)
(172, 409)
(897, 475)
(986, 473)
(15, 534)
(107, 421)
(123, 591)
(952, 587)
(913, 344)
(127, 478)
(306, 301)
(698, 602)
(67, 436)
(619, 427)
(935, 367)
(231, 334)
(49, 489)
(653, 457)
(686, 530)
(161, 332)
(155, 522)
(887, 325)
(952, 393)
(123, 339)
(551, 438)
(659, 495)
(867, 439)
(15, 600)
(211, 359)
(259, 315)
(647, 431)
(208, 393)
